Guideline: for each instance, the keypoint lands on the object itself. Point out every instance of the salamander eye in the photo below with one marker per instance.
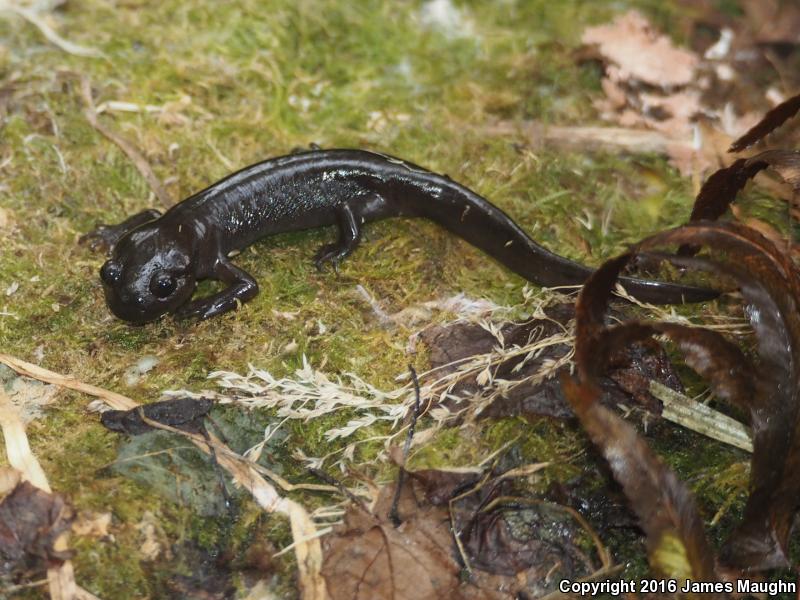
(110, 272)
(162, 285)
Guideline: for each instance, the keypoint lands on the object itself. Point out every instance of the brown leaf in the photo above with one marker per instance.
(785, 163)
(770, 284)
(665, 507)
(769, 123)
(183, 413)
(440, 487)
(720, 190)
(515, 548)
(507, 535)
(773, 21)
(641, 53)
(31, 521)
(369, 559)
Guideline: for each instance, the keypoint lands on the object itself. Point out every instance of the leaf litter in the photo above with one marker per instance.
(453, 523)
(700, 101)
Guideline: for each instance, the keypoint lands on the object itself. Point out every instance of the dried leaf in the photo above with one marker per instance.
(769, 123)
(31, 521)
(9, 479)
(183, 413)
(785, 163)
(507, 535)
(172, 468)
(773, 21)
(307, 548)
(721, 188)
(514, 547)
(770, 284)
(369, 559)
(667, 513)
(442, 486)
(641, 53)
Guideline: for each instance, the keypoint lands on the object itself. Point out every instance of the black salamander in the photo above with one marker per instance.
(156, 259)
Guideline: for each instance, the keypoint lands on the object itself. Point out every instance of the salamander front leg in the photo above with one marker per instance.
(349, 236)
(105, 237)
(241, 288)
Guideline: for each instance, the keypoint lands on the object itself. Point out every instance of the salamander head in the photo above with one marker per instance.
(147, 276)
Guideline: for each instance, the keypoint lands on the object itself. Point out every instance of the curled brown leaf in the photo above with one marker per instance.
(771, 121)
(664, 506)
(720, 190)
(770, 285)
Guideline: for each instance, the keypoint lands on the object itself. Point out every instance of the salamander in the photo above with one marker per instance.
(155, 260)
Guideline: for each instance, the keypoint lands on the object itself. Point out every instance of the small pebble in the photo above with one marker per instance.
(134, 373)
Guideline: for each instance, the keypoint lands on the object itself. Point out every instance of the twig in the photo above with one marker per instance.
(113, 399)
(592, 139)
(11, 589)
(394, 516)
(36, 20)
(452, 511)
(136, 157)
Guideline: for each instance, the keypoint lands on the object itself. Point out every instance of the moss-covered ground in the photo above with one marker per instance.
(249, 79)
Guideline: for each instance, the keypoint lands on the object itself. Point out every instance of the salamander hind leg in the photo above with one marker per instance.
(349, 223)
(105, 237)
(241, 288)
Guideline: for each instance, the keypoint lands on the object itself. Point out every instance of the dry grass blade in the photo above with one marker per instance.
(18, 450)
(139, 161)
(113, 399)
(593, 139)
(700, 418)
(36, 20)
(308, 550)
